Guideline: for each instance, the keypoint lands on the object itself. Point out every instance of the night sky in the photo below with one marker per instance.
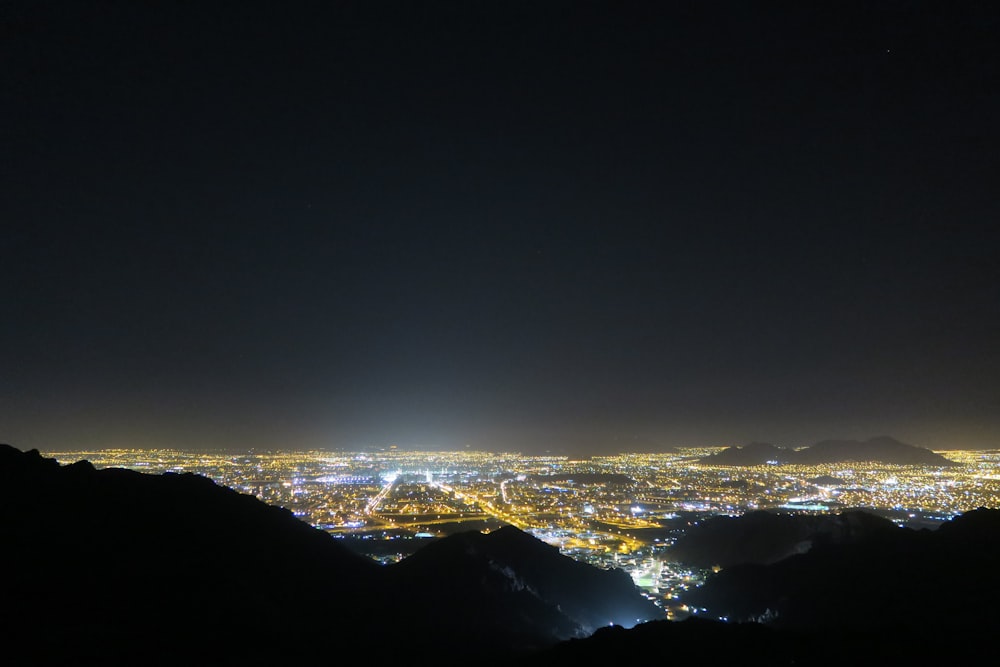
(575, 227)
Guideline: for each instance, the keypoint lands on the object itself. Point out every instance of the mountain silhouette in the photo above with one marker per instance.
(880, 449)
(755, 453)
(900, 576)
(873, 595)
(699, 641)
(104, 566)
(117, 567)
(522, 574)
(767, 537)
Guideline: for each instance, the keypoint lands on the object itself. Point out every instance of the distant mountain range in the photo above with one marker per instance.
(102, 566)
(882, 449)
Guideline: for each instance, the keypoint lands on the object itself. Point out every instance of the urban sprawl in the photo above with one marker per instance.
(621, 511)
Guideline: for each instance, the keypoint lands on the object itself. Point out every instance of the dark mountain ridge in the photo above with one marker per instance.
(114, 566)
(902, 576)
(881, 596)
(509, 559)
(880, 449)
(766, 537)
(700, 641)
(106, 565)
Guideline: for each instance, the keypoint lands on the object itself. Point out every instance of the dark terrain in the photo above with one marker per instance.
(767, 537)
(115, 567)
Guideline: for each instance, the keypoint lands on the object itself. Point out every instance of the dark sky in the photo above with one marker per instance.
(565, 226)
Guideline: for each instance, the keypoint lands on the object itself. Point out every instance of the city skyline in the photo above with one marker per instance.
(569, 227)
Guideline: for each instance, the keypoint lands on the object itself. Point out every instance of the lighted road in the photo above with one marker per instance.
(487, 507)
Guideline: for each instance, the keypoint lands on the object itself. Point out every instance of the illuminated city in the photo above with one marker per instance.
(621, 511)
(499, 333)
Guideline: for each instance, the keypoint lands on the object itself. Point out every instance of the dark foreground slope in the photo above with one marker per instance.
(872, 597)
(521, 577)
(767, 537)
(113, 566)
(947, 577)
(703, 642)
(116, 567)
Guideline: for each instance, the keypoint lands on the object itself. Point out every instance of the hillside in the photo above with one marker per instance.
(869, 597)
(896, 576)
(766, 537)
(102, 566)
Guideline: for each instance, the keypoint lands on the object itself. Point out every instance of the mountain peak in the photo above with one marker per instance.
(879, 449)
